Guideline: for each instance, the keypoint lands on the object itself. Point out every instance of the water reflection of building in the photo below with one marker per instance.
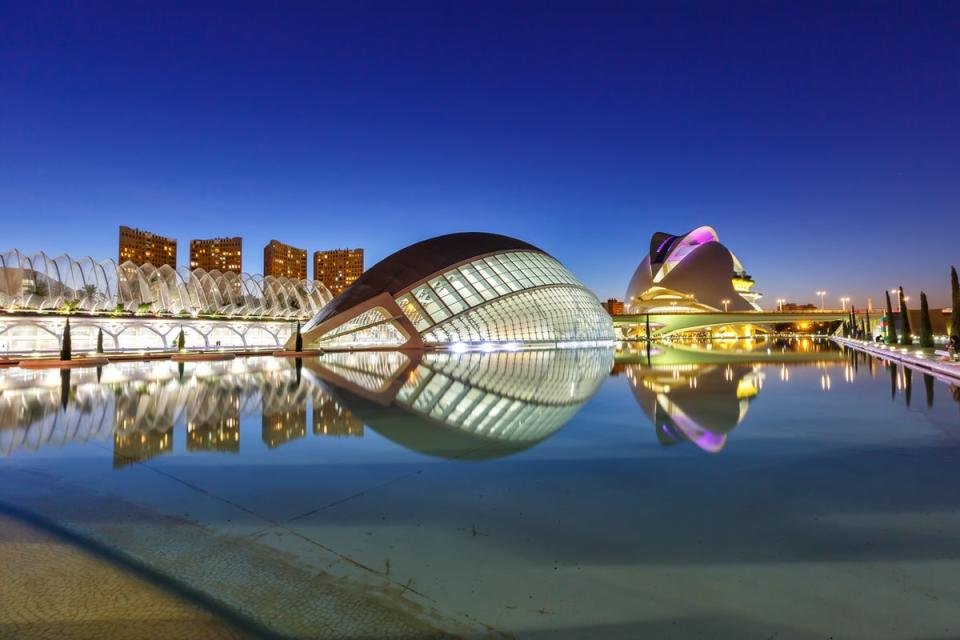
(215, 435)
(140, 446)
(280, 428)
(465, 405)
(330, 418)
(695, 403)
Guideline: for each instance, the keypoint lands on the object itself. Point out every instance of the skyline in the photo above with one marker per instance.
(819, 141)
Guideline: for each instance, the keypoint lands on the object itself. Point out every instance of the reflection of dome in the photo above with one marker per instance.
(473, 404)
(461, 288)
(696, 403)
(692, 272)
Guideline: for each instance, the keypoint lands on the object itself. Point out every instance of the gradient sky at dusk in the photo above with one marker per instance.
(822, 141)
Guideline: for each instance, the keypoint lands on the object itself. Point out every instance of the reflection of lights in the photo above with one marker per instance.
(784, 373)
(825, 382)
(459, 347)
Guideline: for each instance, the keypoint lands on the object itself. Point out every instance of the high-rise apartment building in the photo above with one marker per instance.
(338, 268)
(283, 261)
(217, 254)
(141, 247)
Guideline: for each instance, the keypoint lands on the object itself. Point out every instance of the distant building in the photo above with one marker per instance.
(338, 268)
(613, 306)
(796, 306)
(284, 261)
(140, 247)
(217, 254)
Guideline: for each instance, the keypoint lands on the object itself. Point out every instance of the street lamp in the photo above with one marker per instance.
(780, 302)
(821, 294)
(844, 300)
(725, 303)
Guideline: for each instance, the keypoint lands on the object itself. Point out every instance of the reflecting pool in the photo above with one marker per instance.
(741, 489)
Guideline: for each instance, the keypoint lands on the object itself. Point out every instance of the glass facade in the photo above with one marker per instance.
(521, 296)
(370, 328)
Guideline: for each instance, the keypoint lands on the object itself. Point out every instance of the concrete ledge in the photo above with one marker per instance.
(297, 354)
(51, 363)
(201, 357)
(948, 371)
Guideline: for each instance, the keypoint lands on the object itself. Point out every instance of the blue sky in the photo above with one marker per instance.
(821, 140)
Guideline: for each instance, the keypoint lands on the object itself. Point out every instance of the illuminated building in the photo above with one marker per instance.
(691, 272)
(284, 261)
(463, 290)
(337, 269)
(142, 247)
(217, 254)
(613, 306)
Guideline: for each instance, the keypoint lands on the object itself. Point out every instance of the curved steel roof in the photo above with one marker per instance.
(406, 267)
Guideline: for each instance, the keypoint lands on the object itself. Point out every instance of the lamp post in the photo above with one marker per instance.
(844, 300)
(725, 303)
(821, 294)
(780, 302)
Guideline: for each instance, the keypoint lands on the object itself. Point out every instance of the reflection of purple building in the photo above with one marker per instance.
(692, 272)
(700, 404)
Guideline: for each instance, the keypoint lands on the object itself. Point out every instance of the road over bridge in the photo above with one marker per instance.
(663, 324)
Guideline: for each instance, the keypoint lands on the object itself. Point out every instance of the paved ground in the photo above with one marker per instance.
(52, 589)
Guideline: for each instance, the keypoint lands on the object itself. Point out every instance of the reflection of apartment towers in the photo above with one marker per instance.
(284, 426)
(141, 247)
(282, 260)
(330, 419)
(138, 446)
(217, 254)
(338, 268)
(221, 433)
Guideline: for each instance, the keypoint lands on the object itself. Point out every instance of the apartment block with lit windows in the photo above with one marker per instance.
(141, 247)
(217, 254)
(338, 268)
(284, 261)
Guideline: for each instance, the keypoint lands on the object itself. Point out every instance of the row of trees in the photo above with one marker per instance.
(926, 327)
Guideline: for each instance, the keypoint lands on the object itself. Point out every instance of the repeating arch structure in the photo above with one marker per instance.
(690, 272)
(39, 282)
(470, 289)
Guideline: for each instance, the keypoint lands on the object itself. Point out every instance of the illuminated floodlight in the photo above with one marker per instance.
(459, 347)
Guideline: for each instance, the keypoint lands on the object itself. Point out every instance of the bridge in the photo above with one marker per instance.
(664, 324)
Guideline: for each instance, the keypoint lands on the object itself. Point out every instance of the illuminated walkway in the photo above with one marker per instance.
(911, 356)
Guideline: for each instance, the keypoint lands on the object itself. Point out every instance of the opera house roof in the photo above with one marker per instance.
(690, 272)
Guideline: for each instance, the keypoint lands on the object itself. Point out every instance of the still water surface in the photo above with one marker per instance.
(745, 490)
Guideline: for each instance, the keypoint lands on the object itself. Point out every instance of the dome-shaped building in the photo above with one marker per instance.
(690, 272)
(463, 289)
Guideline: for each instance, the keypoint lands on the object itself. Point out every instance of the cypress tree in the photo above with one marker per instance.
(906, 336)
(181, 340)
(66, 348)
(866, 333)
(298, 343)
(99, 340)
(891, 326)
(926, 328)
(955, 309)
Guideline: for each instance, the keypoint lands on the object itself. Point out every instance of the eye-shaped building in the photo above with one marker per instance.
(464, 290)
(690, 272)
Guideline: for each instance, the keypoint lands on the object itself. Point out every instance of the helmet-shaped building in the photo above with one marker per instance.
(691, 272)
(466, 290)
